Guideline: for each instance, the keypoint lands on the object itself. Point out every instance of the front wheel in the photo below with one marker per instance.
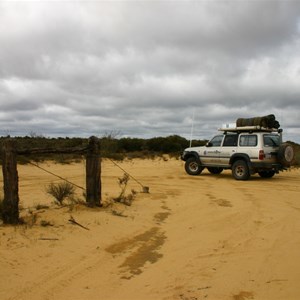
(192, 166)
(240, 170)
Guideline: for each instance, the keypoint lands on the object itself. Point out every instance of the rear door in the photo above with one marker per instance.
(248, 144)
(271, 144)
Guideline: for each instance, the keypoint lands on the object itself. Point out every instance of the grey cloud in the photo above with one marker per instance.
(76, 68)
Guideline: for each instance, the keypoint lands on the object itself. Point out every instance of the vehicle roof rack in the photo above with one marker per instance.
(249, 129)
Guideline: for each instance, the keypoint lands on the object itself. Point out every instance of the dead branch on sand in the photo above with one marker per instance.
(72, 220)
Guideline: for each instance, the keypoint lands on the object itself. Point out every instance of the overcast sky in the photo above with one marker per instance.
(144, 68)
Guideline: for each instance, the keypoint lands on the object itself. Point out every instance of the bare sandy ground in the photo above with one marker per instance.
(190, 238)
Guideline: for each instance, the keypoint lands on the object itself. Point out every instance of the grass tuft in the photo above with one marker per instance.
(61, 191)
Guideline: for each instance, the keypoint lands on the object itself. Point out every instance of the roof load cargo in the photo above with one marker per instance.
(268, 121)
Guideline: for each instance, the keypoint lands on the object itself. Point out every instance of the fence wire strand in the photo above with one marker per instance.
(127, 173)
(78, 186)
(36, 165)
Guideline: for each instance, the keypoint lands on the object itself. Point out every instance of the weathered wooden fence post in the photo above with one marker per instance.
(93, 172)
(10, 209)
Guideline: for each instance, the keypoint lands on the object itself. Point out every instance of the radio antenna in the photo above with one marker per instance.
(192, 129)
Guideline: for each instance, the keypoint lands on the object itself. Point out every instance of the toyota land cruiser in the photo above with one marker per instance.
(245, 150)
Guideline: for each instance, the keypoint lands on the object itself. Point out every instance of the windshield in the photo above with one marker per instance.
(216, 141)
(271, 140)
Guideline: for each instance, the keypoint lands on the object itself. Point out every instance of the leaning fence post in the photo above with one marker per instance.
(93, 173)
(10, 209)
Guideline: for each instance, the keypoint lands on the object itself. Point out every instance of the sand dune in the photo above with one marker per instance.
(190, 238)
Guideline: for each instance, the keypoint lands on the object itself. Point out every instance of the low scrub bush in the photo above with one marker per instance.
(61, 191)
(123, 198)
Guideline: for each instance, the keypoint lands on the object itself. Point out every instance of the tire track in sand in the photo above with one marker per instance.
(144, 247)
(131, 256)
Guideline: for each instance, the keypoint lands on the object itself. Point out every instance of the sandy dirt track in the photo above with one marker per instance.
(190, 238)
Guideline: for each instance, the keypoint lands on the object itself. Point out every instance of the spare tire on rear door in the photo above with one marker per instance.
(286, 154)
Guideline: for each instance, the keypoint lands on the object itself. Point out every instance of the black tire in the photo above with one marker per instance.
(267, 174)
(240, 170)
(192, 166)
(214, 170)
(286, 154)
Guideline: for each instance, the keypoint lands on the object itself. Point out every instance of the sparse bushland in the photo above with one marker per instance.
(111, 147)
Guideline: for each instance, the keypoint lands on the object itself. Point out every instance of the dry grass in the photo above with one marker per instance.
(60, 191)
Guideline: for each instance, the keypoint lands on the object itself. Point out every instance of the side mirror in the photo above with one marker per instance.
(209, 144)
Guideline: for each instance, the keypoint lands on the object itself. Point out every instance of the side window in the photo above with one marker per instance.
(248, 140)
(216, 141)
(230, 140)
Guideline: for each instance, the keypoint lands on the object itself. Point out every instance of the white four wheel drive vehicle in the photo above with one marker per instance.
(245, 150)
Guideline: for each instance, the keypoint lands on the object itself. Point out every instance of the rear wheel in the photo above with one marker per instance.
(215, 170)
(266, 174)
(240, 170)
(192, 166)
